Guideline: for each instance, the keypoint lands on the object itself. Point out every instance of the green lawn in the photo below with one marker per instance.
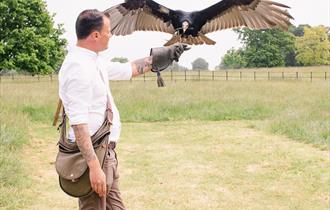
(227, 145)
(193, 165)
(219, 165)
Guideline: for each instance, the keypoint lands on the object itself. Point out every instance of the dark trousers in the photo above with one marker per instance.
(113, 199)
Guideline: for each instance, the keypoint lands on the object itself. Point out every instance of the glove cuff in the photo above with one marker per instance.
(160, 58)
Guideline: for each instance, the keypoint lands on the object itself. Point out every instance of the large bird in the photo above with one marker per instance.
(191, 27)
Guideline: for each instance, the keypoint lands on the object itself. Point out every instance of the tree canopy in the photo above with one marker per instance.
(313, 48)
(266, 48)
(302, 45)
(119, 59)
(233, 59)
(28, 39)
(298, 30)
(200, 64)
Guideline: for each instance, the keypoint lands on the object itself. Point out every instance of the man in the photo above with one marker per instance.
(84, 90)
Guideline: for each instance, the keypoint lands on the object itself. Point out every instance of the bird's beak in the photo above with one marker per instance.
(185, 26)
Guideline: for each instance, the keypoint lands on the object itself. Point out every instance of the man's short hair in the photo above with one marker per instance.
(88, 21)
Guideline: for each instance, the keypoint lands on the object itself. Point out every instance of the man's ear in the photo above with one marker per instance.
(95, 34)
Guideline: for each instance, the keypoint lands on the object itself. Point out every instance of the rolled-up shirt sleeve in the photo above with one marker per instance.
(76, 94)
(119, 71)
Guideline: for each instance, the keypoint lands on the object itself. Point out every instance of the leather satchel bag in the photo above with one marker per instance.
(71, 166)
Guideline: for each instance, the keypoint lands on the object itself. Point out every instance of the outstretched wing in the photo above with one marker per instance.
(140, 15)
(255, 14)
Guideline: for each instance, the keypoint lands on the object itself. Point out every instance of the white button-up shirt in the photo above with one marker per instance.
(84, 91)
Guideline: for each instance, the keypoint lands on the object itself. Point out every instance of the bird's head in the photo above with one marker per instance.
(185, 25)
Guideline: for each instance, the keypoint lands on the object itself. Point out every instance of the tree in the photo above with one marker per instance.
(314, 47)
(266, 48)
(299, 30)
(200, 64)
(233, 59)
(119, 59)
(328, 32)
(28, 39)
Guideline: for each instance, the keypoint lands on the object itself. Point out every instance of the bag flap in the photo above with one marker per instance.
(70, 166)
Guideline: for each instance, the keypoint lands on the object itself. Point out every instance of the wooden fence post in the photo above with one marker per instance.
(325, 75)
(311, 76)
(199, 75)
(297, 75)
(144, 77)
(171, 74)
(282, 75)
(254, 75)
(268, 75)
(12, 77)
(185, 75)
(213, 75)
(240, 76)
(226, 75)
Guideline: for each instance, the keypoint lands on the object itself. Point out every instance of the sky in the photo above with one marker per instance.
(138, 44)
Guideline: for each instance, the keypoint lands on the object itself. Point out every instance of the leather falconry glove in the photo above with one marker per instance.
(162, 57)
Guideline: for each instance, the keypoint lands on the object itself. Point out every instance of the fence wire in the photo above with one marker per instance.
(190, 75)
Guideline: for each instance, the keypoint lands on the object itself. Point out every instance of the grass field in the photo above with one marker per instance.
(191, 145)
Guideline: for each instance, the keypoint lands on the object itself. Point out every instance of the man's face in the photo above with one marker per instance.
(105, 35)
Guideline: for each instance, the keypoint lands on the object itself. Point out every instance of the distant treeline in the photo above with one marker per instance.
(300, 46)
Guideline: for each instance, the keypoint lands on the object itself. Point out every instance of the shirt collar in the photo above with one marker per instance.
(85, 51)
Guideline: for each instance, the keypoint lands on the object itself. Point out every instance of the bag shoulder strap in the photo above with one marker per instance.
(109, 111)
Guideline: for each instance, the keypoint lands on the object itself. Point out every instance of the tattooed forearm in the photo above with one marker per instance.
(141, 66)
(84, 142)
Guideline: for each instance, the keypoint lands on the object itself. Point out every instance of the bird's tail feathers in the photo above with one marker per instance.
(206, 39)
(191, 40)
(175, 39)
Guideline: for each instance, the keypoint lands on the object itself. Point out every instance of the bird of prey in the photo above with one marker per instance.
(191, 27)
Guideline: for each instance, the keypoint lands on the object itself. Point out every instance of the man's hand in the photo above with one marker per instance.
(97, 179)
(141, 66)
(162, 57)
(96, 175)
